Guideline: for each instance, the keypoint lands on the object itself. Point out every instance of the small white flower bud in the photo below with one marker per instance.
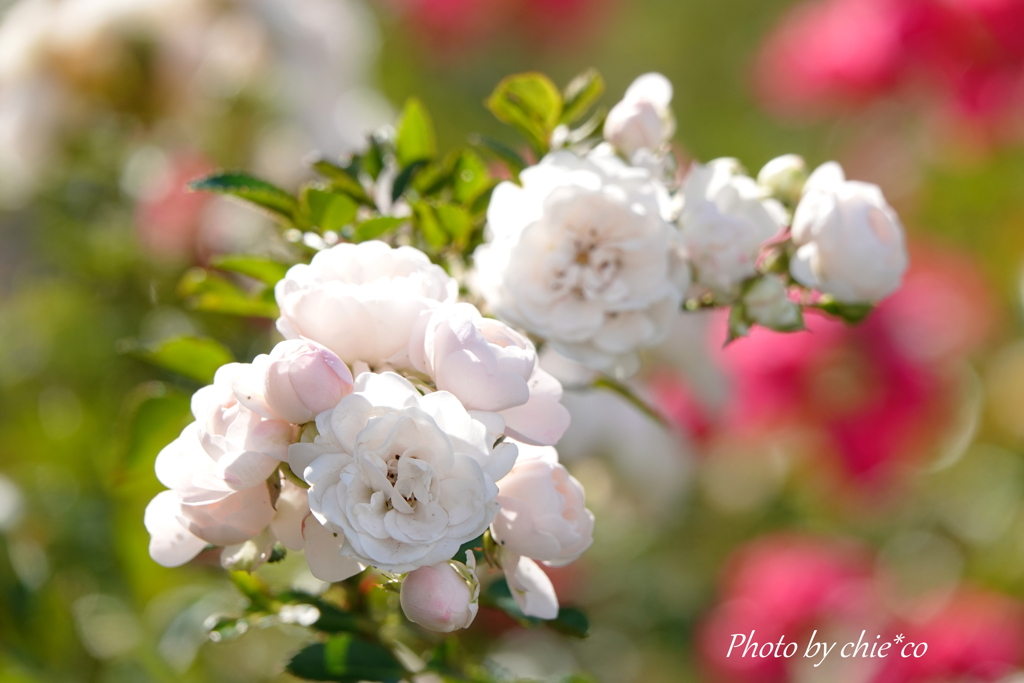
(784, 177)
(766, 303)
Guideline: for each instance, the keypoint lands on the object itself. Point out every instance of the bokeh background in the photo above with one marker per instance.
(839, 480)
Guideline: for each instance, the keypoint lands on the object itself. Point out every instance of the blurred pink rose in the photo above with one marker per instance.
(978, 636)
(168, 216)
(829, 54)
(783, 586)
(790, 585)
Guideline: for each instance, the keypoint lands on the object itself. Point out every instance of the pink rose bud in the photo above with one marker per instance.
(298, 380)
(443, 597)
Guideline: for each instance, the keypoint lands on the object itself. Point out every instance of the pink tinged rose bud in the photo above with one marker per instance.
(542, 514)
(297, 381)
(489, 367)
(443, 597)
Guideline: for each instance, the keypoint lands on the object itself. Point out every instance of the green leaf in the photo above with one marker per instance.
(511, 158)
(194, 357)
(850, 313)
(272, 199)
(581, 94)
(206, 291)
(738, 324)
(482, 202)
(456, 222)
(471, 177)
(531, 104)
(569, 621)
(375, 227)
(346, 658)
(326, 209)
(332, 619)
(157, 421)
(228, 628)
(373, 161)
(260, 268)
(344, 179)
(430, 225)
(404, 178)
(416, 140)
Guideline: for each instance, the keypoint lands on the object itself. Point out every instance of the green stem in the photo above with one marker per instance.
(605, 382)
(286, 470)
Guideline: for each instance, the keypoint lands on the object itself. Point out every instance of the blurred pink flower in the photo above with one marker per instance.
(829, 54)
(167, 215)
(877, 393)
(977, 636)
(790, 585)
(783, 586)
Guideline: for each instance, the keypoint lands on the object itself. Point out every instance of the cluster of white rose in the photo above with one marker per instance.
(392, 426)
(396, 424)
(595, 250)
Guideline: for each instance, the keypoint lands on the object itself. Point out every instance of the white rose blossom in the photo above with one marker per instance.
(581, 255)
(362, 300)
(489, 366)
(444, 597)
(406, 478)
(642, 120)
(726, 218)
(850, 242)
(543, 515)
(217, 473)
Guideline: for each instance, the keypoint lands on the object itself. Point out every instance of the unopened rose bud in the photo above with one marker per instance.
(767, 303)
(442, 598)
(642, 119)
(298, 380)
(784, 178)
(850, 243)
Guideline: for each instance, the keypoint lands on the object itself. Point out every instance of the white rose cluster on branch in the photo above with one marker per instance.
(398, 467)
(405, 416)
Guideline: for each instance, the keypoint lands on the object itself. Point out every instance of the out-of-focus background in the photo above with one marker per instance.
(839, 480)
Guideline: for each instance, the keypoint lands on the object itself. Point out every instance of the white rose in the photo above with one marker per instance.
(361, 300)
(767, 303)
(443, 597)
(297, 381)
(581, 256)
(542, 514)
(489, 366)
(405, 478)
(217, 472)
(850, 241)
(642, 119)
(297, 529)
(725, 219)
